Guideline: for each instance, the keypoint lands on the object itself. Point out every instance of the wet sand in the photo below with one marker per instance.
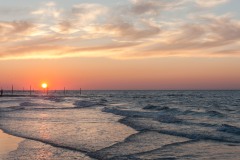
(8, 143)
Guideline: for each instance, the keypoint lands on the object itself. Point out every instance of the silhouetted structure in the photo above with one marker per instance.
(1, 92)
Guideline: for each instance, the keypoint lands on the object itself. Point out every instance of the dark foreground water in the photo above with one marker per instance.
(124, 125)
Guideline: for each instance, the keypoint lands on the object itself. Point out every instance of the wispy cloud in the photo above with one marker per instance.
(137, 29)
(88, 12)
(128, 31)
(48, 10)
(211, 3)
(16, 30)
(153, 7)
(213, 35)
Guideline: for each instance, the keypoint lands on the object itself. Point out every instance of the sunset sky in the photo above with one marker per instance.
(120, 44)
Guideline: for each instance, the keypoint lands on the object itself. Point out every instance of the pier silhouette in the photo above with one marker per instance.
(46, 92)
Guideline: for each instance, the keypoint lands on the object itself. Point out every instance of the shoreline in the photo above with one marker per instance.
(8, 143)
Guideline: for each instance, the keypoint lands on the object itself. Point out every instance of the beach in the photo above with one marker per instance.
(121, 125)
(8, 143)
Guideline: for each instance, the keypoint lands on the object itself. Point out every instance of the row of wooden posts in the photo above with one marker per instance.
(32, 90)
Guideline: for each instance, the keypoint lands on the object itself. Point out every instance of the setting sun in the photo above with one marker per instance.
(44, 85)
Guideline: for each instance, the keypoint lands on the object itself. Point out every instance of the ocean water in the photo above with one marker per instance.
(121, 125)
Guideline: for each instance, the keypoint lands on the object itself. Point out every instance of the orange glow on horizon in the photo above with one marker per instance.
(105, 74)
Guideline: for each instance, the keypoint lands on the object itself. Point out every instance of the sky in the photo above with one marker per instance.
(127, 44)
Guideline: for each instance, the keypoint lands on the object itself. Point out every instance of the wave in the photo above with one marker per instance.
(32, 106)
(215, 114)
(168, 119)
(144, 124)
(103, 101)
(85, 103)
(55, 99)
(153, 107)
(229, 129)
(82, 104)
(130, 113)
(175, 95)
(163, 117)
(148, 141)
(8, 100)
(25, 104)
(206, 113)
(201, 136)
(164, 109)
(9, 109)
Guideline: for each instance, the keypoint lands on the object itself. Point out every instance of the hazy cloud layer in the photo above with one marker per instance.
(140, 28)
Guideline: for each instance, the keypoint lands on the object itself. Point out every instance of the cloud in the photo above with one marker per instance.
(12, 31)
(145, 7)
(36, 51)
(49, 10)
(213, 35)
(50, 4)
(87, 12)
(214, 31)
(46, 48)
(211, 3)
(139, 28)
(65, 27)
(153, 7)
(79, 18)
(128, 31)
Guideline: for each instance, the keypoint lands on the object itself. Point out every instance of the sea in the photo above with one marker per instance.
(122, 125)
